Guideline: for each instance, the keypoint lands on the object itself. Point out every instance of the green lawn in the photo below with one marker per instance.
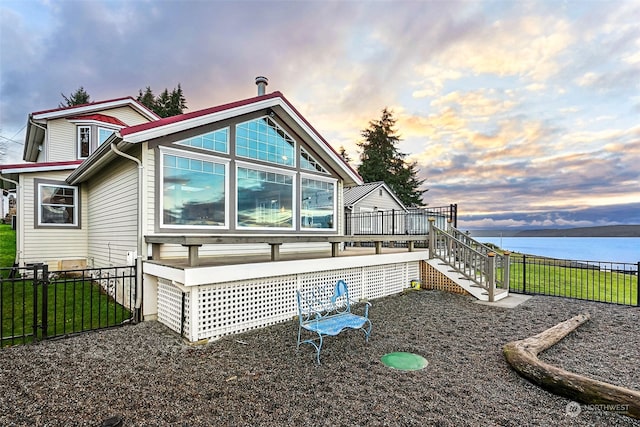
(73, 304)
(7, 246)
(560, 279)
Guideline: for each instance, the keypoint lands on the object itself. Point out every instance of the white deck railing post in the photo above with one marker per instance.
(491, 276)
(432, 238)
(506, 270)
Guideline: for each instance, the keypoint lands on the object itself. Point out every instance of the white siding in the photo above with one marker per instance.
(150, 193)
(383, 203)
(61, 144)
(46, 244)
(127, 115)
(112, 214)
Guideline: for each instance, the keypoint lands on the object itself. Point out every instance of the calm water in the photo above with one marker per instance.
(615, 249)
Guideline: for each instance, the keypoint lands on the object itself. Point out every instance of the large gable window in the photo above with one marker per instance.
(265, 198)
(317, 209)
(57, 205)
(193, 190)
(262, 139)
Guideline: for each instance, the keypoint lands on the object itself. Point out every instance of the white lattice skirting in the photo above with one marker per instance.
(215, 310)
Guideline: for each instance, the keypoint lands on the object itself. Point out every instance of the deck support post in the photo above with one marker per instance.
(275, 251)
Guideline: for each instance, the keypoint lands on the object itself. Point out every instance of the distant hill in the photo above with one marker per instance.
(602, 231)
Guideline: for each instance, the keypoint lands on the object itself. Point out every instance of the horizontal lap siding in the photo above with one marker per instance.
(150, 193)
(126, 115)
(61, 146)
(113, 214)
(49, 245)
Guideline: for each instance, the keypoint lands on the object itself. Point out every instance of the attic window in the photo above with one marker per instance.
(309, 163)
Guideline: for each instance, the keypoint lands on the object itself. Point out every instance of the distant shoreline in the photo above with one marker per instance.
(601, 231)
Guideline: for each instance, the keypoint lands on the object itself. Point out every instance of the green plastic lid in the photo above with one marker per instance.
(404, 361)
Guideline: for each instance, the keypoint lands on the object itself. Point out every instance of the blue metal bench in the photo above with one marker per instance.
(326, 312)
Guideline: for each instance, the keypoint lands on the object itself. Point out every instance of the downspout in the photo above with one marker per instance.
(38, 126)
(138, 302)
(16, 259)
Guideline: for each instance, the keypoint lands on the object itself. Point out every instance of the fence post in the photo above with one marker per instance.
(432, 238)
(393, 222)
(35, 302)
(45, 299)
(506, 271)
(492, 276)
(638, 284)
(524, 274)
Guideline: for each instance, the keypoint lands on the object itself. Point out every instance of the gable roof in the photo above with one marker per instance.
(274, 101)
(36, 124)
(357, 193)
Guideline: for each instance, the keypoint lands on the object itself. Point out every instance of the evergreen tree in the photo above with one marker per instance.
(79, 97)
(166, 104)
(147, 98)
(343, 153)
(382, 161)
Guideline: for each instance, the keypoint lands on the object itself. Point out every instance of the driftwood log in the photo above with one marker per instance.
(523, 357)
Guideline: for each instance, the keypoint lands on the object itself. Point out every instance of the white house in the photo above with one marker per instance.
(200, 201)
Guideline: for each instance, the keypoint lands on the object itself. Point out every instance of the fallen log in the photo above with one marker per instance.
(523, 357)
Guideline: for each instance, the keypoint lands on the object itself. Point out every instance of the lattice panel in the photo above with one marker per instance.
(328, 279)
(395, 278)
(170, 305)
(235, 307)
(373, 281)
(433, 279)
(413, 271)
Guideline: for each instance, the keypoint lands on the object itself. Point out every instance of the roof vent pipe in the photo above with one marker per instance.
(262, 83)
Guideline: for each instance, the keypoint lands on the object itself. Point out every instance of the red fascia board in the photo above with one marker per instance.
(191, 115)
(179, 118)
(43, 165)
(53, 110)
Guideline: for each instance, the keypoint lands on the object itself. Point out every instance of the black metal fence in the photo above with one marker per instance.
(37, 304)
(611, 282)
(396, 222)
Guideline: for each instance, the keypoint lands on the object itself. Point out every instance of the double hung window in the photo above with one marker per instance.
(57, 205)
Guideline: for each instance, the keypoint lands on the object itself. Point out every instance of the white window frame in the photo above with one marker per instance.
(294, 197)
(79, 141)
(196, 156)
(335, 202)
(40, 205)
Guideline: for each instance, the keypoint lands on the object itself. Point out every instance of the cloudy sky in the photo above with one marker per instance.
(524, 113)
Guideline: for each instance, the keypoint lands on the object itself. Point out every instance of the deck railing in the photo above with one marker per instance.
(397, 222)
(473, 260)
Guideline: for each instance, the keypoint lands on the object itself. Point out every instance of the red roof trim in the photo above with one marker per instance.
(41, 165)
(193, 114)
(99, 118)
(53, 110)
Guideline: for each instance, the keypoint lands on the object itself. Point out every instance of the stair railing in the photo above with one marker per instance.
(473, 260)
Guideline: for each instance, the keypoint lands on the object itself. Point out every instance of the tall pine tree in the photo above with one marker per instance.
(382, 161)
(166, 104)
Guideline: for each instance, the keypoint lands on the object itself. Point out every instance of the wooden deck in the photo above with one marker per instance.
(194, 242)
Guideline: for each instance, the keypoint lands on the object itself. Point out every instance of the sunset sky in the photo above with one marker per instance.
(524, 113)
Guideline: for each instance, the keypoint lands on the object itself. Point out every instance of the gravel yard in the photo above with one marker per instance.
(149, 376)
